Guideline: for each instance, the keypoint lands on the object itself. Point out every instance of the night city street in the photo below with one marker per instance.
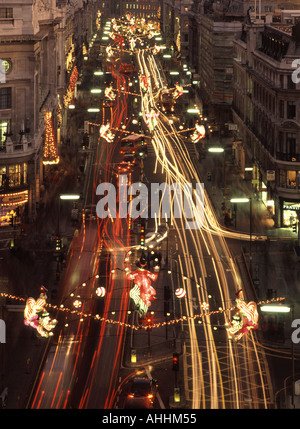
(149, 208)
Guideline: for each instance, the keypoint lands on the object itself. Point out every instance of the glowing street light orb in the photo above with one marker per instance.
(180, 293)
(100, 291)
(205, 306)
(77, 303)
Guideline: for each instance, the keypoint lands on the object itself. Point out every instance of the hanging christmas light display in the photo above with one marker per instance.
(245, 320)
(178, 91)
(198, 134)
(137, 327)
(36, 316)
(152, 119)
(143, 292)
(105, 132)
(68, 97)
(156, 49)
(100, 291)
(180, 293)
(144, 82)
(50, 155)
(109, 93)
(132, 43)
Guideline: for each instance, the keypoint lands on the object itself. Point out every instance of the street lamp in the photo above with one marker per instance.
(70, 197)
(247, 200)
(221, 150)
(268, 308)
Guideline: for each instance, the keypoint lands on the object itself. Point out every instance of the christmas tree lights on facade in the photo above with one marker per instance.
(50, 155)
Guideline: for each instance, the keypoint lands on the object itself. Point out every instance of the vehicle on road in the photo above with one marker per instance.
(142, 393)
(129, 158)
(167, 102)
(124, 167)
(153, 239)
(132, 143)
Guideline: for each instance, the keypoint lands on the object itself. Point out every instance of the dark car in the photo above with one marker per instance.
(142, 393)
(129, 158)
(124, 167)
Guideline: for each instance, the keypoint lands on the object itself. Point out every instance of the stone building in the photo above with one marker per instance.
(40, 53)
(266, 110)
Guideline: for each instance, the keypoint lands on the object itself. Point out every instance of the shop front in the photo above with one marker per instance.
(289, 213)
(12, 207)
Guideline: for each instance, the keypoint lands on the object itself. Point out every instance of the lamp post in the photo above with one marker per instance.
(70, 197)
(268, 308)
(247, 200)
(221, 150)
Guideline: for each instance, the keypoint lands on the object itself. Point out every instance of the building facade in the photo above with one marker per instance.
(266, 110)
(41, 49)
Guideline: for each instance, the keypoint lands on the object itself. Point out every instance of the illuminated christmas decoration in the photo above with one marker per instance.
(198, 134)
(36, 316)
(132, 43)
(50, 155)
(143, 292)
(178, 91)
(136, 327)
(109, 93)
(100, 291)
(106, 133)
(180, 293)
(205, 306)
(152, 119)
(109, 51)
(77, 303)
(68, 97)
(144, 82)
(239, 326)
(156, 49)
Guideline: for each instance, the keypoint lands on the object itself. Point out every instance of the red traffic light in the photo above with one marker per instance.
(175, 362)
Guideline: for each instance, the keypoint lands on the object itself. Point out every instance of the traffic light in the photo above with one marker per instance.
(11, 221)
(295, 227)
(85, 141)
(175, 362)
(86, 127)
(58, 243)
(142, 235)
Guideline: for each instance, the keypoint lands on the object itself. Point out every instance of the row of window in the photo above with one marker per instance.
(13, 175)
(282, 81)
(6, 12)
(142, 6)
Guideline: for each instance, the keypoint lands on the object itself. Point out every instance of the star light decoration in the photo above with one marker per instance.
(198, 134)
(36, 316)
(245, 320)
(143, 292)
(50, 155)
(105, 132)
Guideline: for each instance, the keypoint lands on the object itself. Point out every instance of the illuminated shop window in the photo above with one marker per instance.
(2, 176)
(4, 127)
(17, 174)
